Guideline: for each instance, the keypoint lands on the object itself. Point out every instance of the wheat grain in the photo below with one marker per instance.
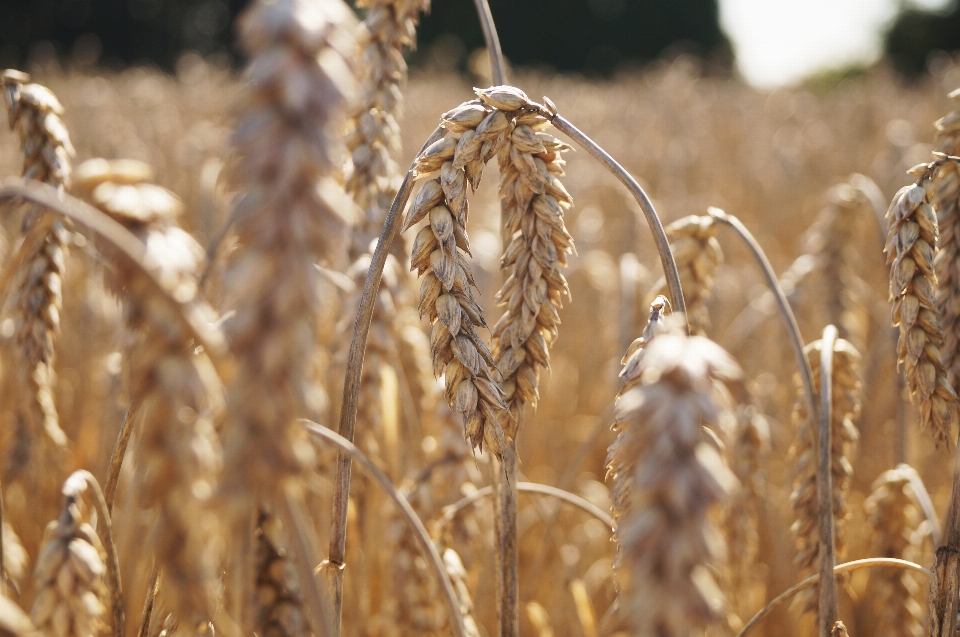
(693, 241)
(34, 112)
(899, 532)
(911, 249)
(946, 201)
(177, 390)
(668, 477)
(532, 204)
(844, 436)
(293, 215)
(374, 131)
(68, 575)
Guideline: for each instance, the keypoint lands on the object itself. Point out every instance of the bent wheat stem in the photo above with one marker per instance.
(416, 525)
(839, 569)
(498, 67)
(789, 320)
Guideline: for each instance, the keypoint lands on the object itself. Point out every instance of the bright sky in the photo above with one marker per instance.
(780, 41)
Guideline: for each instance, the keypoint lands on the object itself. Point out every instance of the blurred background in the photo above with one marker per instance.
(767, 43)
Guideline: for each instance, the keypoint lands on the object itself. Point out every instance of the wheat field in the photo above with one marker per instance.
(545, 444)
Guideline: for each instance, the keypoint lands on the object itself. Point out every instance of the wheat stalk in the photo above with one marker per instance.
(693, 241)
(911, 249)
(896, 520)
(34, 112)
(374, 130)
(176, 390)
(946, 201)
(845, 412)
(668, 477)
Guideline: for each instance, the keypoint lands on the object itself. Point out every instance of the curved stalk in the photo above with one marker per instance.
(451, 511)
(498, 67)
(121, 239)
(649, 212)
(827, 607)
(846, 567)
(116, 458)
(786, 313)
(409, 515)
(351, 384)
(152, 589)
(76, 484)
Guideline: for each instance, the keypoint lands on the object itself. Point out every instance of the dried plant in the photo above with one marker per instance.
(899, 531)
(946, 201)
(693, 241)
(844, 436)
(69, 577)
(911, 249)
(34, 113)
(532, 204)
(374, 129)
(668, 477)
(292, 216)
(278, 608)
(175, 388)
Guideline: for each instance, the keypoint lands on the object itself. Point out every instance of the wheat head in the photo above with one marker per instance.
(693, 241)
(946, 201)
(911, 248)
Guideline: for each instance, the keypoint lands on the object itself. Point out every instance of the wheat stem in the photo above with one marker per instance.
(416, 525)
(839, 569)
(508, 556)
(498, 67)
(116, 458)
(789, 320)
(828, 612)
(152, 589)
(76, 484)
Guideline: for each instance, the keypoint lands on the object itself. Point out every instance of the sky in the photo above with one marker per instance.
(781, 41)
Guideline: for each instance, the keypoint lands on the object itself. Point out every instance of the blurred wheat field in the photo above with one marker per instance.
(773, 159)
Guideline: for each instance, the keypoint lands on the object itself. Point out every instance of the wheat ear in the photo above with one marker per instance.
(532, 205)
(693, 241)
(946, 201)
(292, 218)
(176, 389)
(898, 531)
(279, 610)
(845, 412)
(69, 576)
(668, 477)
(34, 112)
(911, 249)
(374, 131)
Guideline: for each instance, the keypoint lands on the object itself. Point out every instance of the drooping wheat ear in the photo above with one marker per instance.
(899, 532)
(293, 216)
(536, 245)
(477, 130)
(668, 478)
(911, 249)
(693, 241)
(175, 387)
(34, 112)
(279, 605)
(390, 25)
(844, 436)
(946, 200)
(830, 240)
(69, 577)
(747, 455)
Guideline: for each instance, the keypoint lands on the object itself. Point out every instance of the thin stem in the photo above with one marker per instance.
(3, 563)
(827, 607)
(152, 589)
(944, 584)
(116, 458)
(508, 563)
(76, 484)
(351, 386)
(409, 515)
(650, 214)
(846, 567)
(120, 238)
(498, 68)
(786, 313)
(451, 511)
